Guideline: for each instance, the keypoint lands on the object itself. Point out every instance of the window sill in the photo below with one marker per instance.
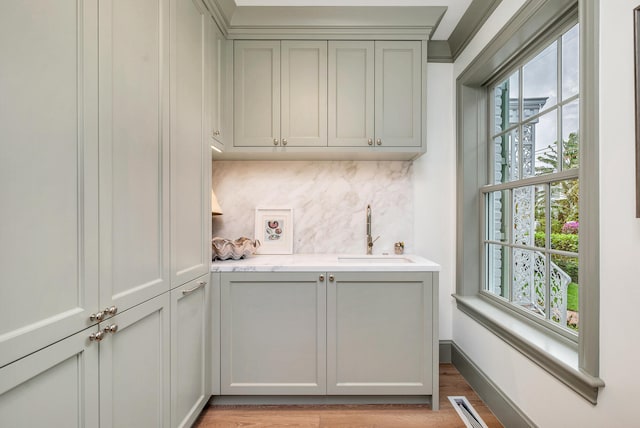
(553, 354)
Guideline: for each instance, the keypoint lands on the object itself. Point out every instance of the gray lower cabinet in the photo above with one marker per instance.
(190, 351)
(55, 387)
(118, 379)
(134, 367)
(273, 333)
(382, 334)
(380, 331)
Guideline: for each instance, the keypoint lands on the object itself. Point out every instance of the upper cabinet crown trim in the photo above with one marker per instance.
(325, 22)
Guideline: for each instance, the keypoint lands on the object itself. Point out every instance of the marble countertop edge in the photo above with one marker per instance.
(327, 262)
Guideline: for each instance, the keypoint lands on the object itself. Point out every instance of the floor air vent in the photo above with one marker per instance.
(467, 413)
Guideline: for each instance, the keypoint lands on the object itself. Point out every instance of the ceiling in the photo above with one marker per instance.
(455, 9)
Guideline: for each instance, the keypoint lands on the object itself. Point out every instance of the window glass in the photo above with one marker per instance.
(540, 81)
(570, 63)
(532, 219)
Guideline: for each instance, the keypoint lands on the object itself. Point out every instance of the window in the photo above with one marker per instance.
(527, 189)
(531, 215)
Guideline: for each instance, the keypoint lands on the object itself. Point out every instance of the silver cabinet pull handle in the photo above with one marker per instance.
(97, 336)
(284, 141)
(379, 142)
(191, 290)
(216, 132)
(331, 278)
(370, 141)
(110, 311)
(98, 316)
(111, 328)
(275, 141)
(321, 278)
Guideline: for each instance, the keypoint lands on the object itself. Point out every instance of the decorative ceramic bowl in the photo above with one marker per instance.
(224, 249)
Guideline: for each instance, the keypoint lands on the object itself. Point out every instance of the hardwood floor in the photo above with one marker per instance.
(392, 416)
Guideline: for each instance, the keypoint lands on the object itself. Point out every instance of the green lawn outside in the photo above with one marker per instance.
(572, 297)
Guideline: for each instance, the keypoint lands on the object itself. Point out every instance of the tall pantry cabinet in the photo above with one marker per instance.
(104, 179)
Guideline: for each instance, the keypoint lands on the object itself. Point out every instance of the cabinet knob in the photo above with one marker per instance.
(111, 328)
(379, 142)
(321, 278)
(98, 316)
(331, 278)
(216, 132)
(110, 311)
(370, 141)
(96, 337)
(284, 141)
(275, 141)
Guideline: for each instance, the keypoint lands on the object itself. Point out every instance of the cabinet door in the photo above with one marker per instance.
(351, 91)
(190, 351)
(190, 151)
(48, 172)
(304, 93)
(398, 93)
(256, 103)
(134, 161)
(54, 387)
(134, 367)
(380, 334)
(216, 90)
(273, 333)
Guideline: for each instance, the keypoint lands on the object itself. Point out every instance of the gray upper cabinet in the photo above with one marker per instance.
(328, 99)
(280, 93)
(48, 172)
(190, 149)
(218, 113)
(398, 111)
(375, 94)
(134, 151)
(351, 93)
(256, 95)
(303, 93)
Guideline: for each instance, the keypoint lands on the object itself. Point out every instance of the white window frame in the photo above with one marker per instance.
(573, 362)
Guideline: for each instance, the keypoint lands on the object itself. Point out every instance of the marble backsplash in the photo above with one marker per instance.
(328, 198)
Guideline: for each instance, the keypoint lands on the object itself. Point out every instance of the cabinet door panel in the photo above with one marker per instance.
(380, 333)
(216, 73)
(256, 93)
(304, 93)
(273, 333)
(134, 367)
(351, 91)
(190, 351)
(56, 386)
(190, 254)
(399, 93)
(134, 165)
(48, 172)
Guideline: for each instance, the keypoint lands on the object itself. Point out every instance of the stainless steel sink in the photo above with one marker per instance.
(374, 259)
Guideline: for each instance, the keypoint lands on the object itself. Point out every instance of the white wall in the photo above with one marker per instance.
(544, 399)
(434, 189)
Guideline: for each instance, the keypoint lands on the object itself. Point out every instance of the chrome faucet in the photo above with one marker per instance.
(370, 239)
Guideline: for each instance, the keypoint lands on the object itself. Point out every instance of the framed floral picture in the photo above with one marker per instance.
(274, 230)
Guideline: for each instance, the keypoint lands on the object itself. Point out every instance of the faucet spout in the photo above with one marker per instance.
(370, 239)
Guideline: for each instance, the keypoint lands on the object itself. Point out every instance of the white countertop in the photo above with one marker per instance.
(326, 262)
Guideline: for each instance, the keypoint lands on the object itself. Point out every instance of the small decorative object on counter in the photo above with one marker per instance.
(224, 249)
(399, 247)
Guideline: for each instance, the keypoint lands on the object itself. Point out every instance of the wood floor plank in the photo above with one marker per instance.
(354, 416)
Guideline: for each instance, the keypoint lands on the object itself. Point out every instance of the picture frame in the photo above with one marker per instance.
(636, 62)
(274, 230)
